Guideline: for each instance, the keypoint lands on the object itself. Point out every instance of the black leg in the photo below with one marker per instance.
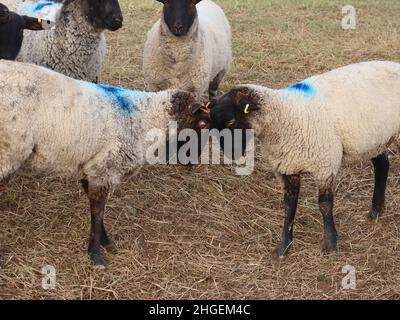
(381, 169)
(104, 239)
(291, 196)
(97, 205)
(326, 197)
(85, 186)
(98, 236)
(214, 85)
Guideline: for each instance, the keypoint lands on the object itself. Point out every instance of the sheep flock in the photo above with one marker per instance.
(89, 82)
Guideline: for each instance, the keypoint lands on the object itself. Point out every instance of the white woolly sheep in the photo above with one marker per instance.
(73, 127)
(348, 113)
(76, 46)
(188, 48)
(12, 27)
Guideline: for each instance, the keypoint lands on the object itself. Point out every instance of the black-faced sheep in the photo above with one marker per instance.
(188, 48)
(76, 45)
(348, 113)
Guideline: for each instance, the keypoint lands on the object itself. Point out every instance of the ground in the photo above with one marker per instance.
(204, 232)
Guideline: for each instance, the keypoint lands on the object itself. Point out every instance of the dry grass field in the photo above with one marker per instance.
(190, 233)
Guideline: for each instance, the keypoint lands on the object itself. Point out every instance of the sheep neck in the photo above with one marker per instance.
(277, 123)
(179, 51)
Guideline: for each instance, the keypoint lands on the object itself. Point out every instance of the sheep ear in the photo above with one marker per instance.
(245, 107)
(33, 23)
(194, 108)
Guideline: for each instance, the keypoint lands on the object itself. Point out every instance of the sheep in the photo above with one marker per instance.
(93, 132)
(76, 46)
(350, 113)
(188, 48)
(12, 27)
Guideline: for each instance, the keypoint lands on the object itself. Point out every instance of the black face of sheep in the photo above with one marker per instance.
(179, 15)
(231, 112)
(12, 28)
(105, 14)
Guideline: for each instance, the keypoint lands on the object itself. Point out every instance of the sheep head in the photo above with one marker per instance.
(179, 15)
(190, 114)
(232, 112)
(104, 14)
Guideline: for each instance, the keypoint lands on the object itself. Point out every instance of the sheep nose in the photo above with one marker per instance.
(178, 29)
(117, 20)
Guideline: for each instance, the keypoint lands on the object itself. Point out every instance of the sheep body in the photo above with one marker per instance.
(191, 62)
(352, 111)
(74, 127)
(73, 47)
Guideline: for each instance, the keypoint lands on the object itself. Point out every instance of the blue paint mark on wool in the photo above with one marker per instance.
(122, 99)
(303, 88)
(35, 9)
(40, 5)
(119, 97)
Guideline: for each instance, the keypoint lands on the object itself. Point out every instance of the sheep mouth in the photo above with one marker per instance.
(179, 34)
(114, 25)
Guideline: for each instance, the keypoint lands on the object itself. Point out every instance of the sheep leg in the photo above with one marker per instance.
(291, 196)
(326, 197)
(381, 169)
(104, 239)
(97, 206)
(97, 199)
(214, 85)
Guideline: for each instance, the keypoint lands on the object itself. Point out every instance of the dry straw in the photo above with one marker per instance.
(186, 233)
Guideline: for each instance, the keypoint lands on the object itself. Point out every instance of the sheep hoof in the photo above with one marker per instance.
(98, 262)
(374, 215)
(329, 247)
(282, 250)
(98, 267)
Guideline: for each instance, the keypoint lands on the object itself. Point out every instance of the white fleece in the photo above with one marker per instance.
(74, 127)
(193, 61)
(351, 112)
(73, 47)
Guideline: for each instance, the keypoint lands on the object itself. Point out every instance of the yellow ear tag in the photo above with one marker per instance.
(39, 20)
(246, 109)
